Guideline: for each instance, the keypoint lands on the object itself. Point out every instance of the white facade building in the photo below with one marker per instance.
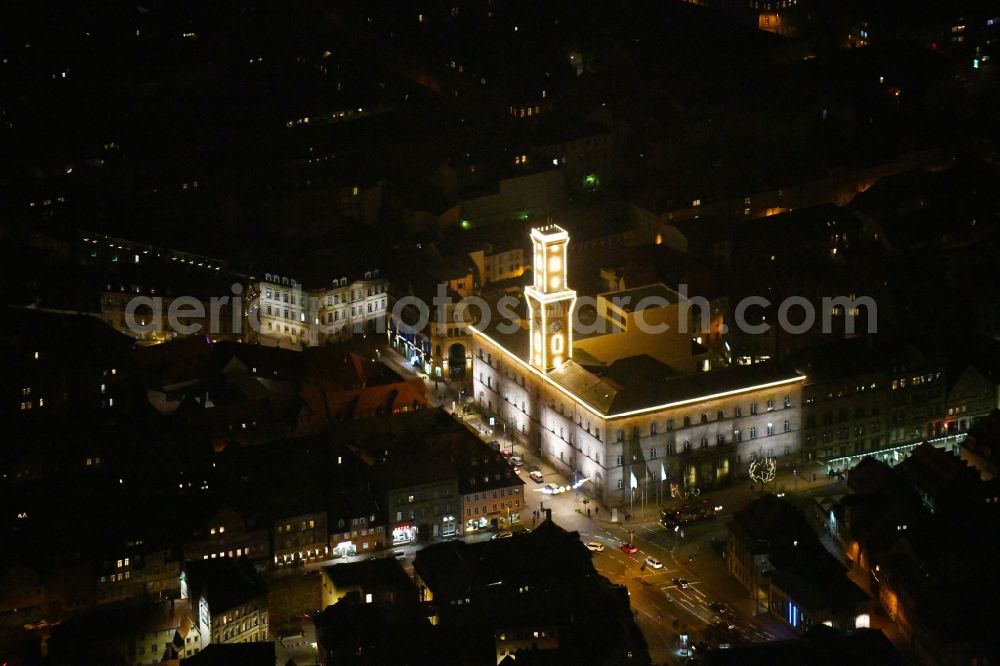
(629, 426)
(289, 313)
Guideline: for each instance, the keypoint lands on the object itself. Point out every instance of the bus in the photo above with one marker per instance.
(690, 512)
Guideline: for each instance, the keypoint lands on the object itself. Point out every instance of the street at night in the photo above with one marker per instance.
(500, 333)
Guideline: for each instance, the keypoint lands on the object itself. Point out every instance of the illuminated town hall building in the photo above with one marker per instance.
(638, 406)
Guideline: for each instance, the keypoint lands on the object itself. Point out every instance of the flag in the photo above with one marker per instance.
(634, 483)
(663, 473)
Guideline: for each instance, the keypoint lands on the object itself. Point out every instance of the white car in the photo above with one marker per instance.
(516, 461)
(506, 534)
(551, 489)
(594, 546)
(653, 563)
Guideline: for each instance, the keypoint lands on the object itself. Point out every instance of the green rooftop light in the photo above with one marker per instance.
(465, 224)
(591, 181)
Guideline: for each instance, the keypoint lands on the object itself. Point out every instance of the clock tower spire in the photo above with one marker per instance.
(550, 300)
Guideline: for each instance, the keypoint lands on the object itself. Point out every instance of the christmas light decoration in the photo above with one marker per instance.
(762, 470)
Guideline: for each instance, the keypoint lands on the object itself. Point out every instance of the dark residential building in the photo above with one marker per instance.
(245, 654)
(775, 554)
(873, 395)
(820, 645)
(981, 448)
(379, 581)
(229, 534)
(435, 340)
(923, 545)
(358, 633)
(420, 496)
(533, 591)
(228, 598)
(942, 479)
(436, 479)
(62, 364)
(132, 634)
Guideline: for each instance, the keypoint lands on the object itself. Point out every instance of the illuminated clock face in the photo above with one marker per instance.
(555, 326)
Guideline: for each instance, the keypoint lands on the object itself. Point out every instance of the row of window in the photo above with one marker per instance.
(671, 448)
(296, 297)
(720, 415)
(843, 415)
(356, 295)
(277, 327)
(810, 398)
(844, 433)
(504, 492)
(916, 380)
(470, 511)
(305, 524)
(859, 445)
(239, 552)
(374, 306)
(283, 297)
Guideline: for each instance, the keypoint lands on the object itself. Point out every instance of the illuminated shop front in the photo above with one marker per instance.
(503, 522)
(477, 524)
(404, 534)
(345, 549)
(449, 526)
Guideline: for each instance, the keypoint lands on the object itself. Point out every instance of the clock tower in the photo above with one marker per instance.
(550, 300)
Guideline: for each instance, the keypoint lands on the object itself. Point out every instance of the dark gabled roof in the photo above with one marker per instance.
(429, 446)
(385, 633)
(547, 552)
(224, 582)
(378, 572)
(72, 339)
(938, 473)
(801, 566)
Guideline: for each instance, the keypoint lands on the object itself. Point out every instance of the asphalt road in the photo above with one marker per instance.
(663, 610)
